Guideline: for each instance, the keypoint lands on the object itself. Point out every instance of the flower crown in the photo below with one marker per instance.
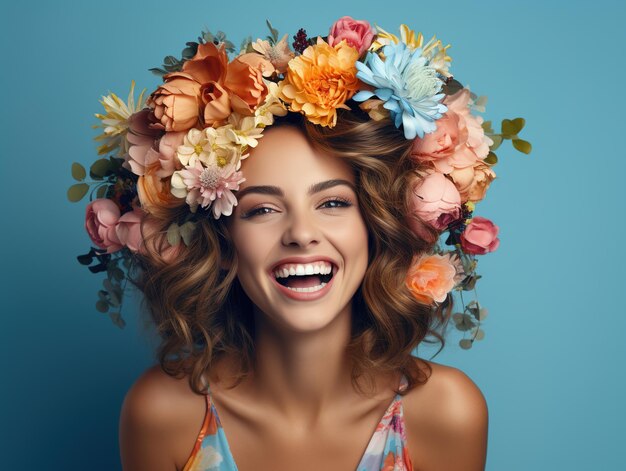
(188, 138)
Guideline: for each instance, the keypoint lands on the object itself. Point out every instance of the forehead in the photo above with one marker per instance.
(284, 157)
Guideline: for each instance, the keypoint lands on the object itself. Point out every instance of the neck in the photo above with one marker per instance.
(302, 374)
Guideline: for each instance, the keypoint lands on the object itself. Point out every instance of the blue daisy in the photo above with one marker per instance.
(407, 84)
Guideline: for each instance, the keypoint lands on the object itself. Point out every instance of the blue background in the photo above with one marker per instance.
(551, 363)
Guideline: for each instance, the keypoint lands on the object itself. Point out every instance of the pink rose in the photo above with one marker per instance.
(459, 140)
(436, 201)
(100, 220)
(480, 236)
(128, 229)
(358, 34)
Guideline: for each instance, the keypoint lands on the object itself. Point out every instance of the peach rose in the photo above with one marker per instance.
(480, 236)
(177, 102)
(435, 200)
(154, 192)
(358, 34)
(473, 182)
(128, 229)
(321, 80)
(244, 79)
(101, 218)
(459, 140)
(431, 278)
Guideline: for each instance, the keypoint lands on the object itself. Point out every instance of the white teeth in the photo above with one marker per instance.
(308, 290)
(322, 268)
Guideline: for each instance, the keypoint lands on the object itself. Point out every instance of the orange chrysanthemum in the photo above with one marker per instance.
(431, 277)
(320, 81)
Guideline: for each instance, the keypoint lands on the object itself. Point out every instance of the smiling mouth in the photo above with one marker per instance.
(305, 281)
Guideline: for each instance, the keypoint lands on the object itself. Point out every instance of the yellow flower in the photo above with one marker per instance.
(433, 50)
(320, 81)
(115, 121)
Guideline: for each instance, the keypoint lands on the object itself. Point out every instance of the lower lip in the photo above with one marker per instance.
(299, 296)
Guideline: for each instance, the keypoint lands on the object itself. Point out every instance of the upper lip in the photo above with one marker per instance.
(304, 260)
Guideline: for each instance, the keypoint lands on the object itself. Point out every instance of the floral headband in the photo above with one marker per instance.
(188, 138)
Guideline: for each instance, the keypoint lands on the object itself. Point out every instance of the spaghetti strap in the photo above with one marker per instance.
(386, 449)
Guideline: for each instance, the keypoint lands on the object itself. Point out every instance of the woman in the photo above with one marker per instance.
(331, 383)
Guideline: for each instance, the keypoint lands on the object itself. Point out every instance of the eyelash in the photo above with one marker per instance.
(344, 203)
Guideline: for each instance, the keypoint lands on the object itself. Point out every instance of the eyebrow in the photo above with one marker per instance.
(277, 191)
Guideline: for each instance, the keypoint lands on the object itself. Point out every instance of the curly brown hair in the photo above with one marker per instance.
(202, 313)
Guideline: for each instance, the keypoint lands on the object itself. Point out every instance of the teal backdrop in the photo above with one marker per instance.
(551, 364)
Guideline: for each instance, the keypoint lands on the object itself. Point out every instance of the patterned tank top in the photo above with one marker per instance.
(386, 450)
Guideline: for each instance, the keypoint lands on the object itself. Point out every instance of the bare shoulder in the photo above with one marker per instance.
(159, 421)
(447, 422)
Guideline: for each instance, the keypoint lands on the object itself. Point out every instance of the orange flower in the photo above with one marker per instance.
(154, 193)
(320, 81)
(176, 103)
(431, 277)
(244, 79)
(208, 89)
(473, 182)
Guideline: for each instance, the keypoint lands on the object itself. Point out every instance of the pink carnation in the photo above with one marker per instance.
(358, 34)
(436, 201)
(459, 140)
(480, 236)
(206, 186)
(100, 220)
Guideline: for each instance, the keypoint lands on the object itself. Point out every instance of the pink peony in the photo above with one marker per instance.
(128, 229)
(480, 236)
(436, 201)
(358, 34)
(459, 140)
(100, 220)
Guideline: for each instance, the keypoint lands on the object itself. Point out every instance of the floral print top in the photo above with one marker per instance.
(386, 450)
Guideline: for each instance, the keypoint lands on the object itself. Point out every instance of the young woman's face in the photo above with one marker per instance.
(298, 232)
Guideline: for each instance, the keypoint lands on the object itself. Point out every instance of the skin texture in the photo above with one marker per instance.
(298, 409)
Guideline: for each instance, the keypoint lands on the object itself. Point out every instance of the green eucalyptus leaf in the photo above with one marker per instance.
(102, 306)
(85, 259)
(78, 172)
(522, 145)
(491, 158)
(518, 124)
(487, 127)
(116, 317)
(102, 191)
(497, 141)
(173, 234)
(117, 274)
(479, 335)
(186, 232)
(470, 282)
(457, 317)
(512, 127)
(100, 168)
(482, 314)
(274, 38)
(77, 192)
(466, 323)
(465, 344)
(103, 295)
(158, 71)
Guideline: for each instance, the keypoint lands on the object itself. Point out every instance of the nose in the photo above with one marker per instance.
(301, 230)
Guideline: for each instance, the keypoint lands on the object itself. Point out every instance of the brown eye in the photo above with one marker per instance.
(336, 203)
